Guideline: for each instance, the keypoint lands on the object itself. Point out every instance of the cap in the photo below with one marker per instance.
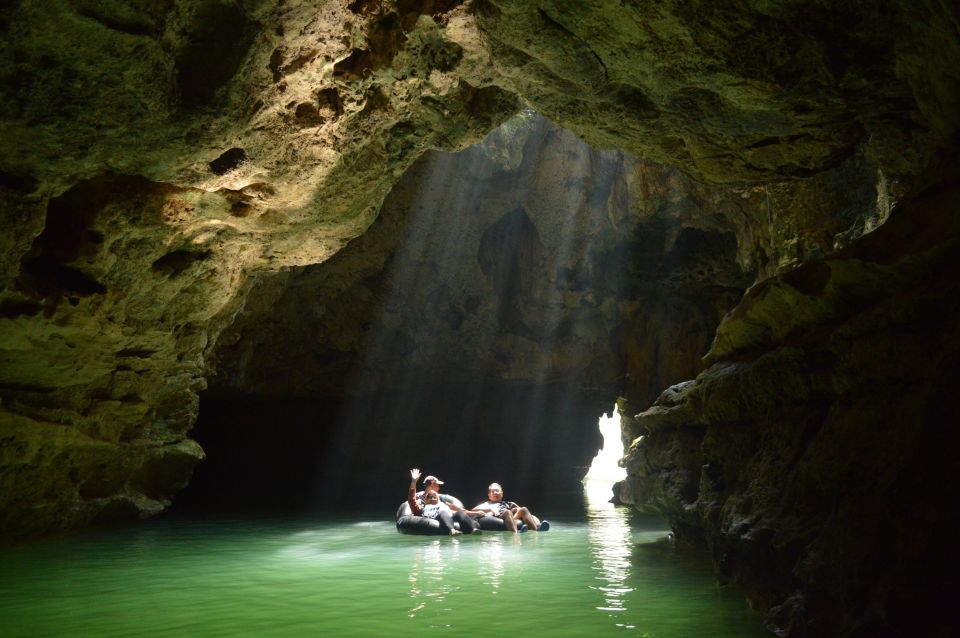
(432, 479)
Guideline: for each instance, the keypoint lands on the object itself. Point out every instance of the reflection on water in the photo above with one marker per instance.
(492, 564)
(427, 583)
(608, 526)
(436, 563)
(610, 545)
(591, 576)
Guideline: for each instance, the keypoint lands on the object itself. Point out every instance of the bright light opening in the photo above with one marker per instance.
(604, 470)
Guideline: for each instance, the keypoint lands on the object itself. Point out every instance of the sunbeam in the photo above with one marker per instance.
(497, 285)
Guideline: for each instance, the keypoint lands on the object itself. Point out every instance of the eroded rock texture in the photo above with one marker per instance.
(529, 258)
(814, 455)
(532, 258)
(155, 156)
(738, 91)
(161, 160)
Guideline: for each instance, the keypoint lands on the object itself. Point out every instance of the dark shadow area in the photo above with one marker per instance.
(214, 46)
(325, 456)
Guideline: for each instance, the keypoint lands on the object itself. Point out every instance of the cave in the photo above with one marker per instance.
(259, 259)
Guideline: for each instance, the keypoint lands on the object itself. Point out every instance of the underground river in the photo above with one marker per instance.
(603, 572)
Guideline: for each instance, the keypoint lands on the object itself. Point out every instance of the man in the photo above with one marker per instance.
(431, 484)
(510, 513)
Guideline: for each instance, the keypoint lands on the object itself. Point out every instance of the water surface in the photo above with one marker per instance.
(611, 573)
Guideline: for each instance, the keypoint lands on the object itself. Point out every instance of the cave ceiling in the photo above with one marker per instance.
(161, 158)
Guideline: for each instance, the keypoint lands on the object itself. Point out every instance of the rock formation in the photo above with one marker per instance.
(737, 91)
(622, 295)
(156, 156)
(813, 455)
(171, 168)
(484, 282)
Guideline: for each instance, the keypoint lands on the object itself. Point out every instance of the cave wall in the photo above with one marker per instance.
(272, 147)
(738, 91)
(160, 159)
(155, 157)
(468, 275)
(813, 455)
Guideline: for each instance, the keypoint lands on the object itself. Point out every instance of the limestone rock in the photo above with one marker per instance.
(734, 91)
(483, 282)
(155, 156)
(171, 168)
(803, 454)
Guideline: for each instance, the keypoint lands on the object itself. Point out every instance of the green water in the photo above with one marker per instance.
(606, 574)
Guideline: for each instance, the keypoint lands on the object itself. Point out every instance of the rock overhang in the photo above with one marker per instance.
(217, 158)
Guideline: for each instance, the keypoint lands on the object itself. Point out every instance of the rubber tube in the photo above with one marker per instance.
(407, 523)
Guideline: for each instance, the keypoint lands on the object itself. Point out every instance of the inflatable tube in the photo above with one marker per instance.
(407, 523)
(451, 500)
(492, 524)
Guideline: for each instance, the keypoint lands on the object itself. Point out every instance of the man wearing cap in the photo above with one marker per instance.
(468, 525)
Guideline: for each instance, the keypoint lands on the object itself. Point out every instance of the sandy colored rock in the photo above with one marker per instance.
(157, 156)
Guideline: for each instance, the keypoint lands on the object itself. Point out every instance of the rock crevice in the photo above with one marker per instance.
(793, 457)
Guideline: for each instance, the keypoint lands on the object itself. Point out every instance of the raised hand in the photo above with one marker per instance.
(415, 474)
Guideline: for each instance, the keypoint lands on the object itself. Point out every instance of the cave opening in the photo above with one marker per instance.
(461, 349)
(504, 296)
(605, 469)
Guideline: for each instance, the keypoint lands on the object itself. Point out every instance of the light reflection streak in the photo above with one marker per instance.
(492, 564)
(610, 544)
(609, 530)
(427, 583)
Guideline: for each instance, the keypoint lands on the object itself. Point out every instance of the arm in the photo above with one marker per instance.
(454, 503)
(412, 493)
(483, 509)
